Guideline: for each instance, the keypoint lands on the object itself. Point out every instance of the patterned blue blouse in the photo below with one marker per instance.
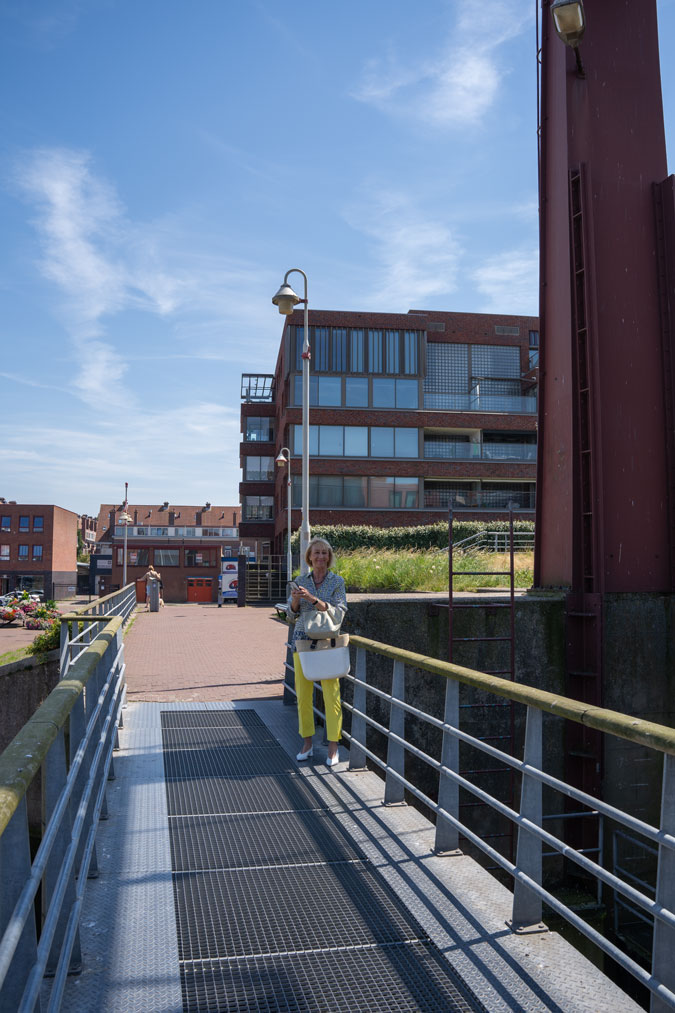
(331, 589)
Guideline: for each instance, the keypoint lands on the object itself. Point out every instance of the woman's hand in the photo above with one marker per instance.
(303, 594)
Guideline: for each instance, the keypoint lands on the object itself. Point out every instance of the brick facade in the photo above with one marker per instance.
(38, 548)
(433, 328)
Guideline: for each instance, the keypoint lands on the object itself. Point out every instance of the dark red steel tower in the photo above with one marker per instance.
(606, 468)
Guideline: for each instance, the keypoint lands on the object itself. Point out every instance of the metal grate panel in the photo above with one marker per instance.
(391, 979)
(242, 761)
(229, 795)
(210, 719)
(207, 738)
(247, 912)
(261, 839)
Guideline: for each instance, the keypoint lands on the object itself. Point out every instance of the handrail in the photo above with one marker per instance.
(644, 733)
(529, 892)
(87, 705)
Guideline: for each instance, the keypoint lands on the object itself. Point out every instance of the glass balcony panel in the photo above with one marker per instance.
(507, 404)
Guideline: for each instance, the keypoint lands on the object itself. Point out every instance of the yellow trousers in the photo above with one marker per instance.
(331, 699)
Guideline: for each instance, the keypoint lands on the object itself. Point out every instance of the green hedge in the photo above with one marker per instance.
(424, 536)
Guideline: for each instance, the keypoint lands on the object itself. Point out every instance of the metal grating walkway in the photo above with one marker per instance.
(276, 908)
(388, 923)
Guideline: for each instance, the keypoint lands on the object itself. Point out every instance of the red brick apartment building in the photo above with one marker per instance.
(38, 548)
(184, 543)
(410, 414)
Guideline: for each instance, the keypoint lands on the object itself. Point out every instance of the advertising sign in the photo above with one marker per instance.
(229, 579)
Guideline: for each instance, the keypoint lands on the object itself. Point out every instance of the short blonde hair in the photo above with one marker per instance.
(319, 541)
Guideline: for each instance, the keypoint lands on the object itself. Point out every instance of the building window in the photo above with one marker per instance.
(325, 391)
(24, 522)
(331, 441)
(258, 508)
(6, 523)
(37, 552)
(38, 523)
(533, 358)
(393, 493)
(167, 557)
(4, 551)
(391, 339)
(257, 469)
(320, 343)
(410, 352)
(200, 557)
(138, 557)
(534, 339)
(384, 393)
(375, 348)
(357, 350)
(339, 356)
(356, 441)
(259, 429)
(356, 392)
(158, 532)
(355, 491)
(23, 552)
(120, 557)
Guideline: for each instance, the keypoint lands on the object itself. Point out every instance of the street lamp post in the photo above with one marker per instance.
(125, 519)
(286, 299)
(284, 457)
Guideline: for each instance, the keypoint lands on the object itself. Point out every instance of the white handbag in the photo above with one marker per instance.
(324, 659)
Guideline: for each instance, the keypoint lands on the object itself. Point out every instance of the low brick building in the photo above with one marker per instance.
(183, 543)
(38, 548)
(410, 415)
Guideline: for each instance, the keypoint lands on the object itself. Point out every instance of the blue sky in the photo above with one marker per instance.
(164, 163)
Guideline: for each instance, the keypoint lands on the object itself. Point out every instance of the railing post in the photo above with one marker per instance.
(527, 904)
(393, 789)
(357, 757)
(447, 835)
(15, 865)
(55, 774)
(64, 650)
(663, 966)
(289, 679)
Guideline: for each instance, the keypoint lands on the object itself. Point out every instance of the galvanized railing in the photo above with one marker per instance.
(529, 892)
(69, 742)
(81, 627)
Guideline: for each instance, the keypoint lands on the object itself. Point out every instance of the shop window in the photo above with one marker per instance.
(167, 557)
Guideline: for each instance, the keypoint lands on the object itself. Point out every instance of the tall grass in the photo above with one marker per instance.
(410, 570)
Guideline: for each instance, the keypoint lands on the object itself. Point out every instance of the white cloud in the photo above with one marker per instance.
(103, 264)
(417, 257)
(510, 282)
(456, 87)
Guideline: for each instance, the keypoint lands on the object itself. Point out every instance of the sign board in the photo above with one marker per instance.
(229, 579)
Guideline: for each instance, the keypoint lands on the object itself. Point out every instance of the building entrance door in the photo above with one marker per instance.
(199, 589)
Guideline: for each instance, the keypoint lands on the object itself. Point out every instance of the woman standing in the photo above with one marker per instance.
(317, 589)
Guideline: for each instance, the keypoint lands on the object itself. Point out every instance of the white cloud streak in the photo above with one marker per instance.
(509, 282)
(417, 257)
(456, 87)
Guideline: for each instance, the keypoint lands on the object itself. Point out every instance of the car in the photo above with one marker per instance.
(6, 599)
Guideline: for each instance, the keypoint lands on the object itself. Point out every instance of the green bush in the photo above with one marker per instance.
(47, 641)
(423, 536)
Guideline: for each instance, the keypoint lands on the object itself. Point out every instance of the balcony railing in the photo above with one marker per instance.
(451, 451)
(258, 513)
(508, 404)
(479, 499)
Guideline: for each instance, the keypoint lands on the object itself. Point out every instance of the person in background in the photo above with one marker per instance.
(317, 589)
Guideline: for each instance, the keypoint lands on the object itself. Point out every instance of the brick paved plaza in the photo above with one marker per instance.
(200, 652)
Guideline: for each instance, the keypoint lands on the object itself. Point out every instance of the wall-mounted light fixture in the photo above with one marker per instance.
(570, 25)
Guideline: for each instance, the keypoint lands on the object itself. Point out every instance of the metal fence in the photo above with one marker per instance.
(657, 905)
(54, 774)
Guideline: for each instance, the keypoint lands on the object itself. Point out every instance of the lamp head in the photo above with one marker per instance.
(569, 20)
(281, 460)
(286, 299)
(124, 518)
